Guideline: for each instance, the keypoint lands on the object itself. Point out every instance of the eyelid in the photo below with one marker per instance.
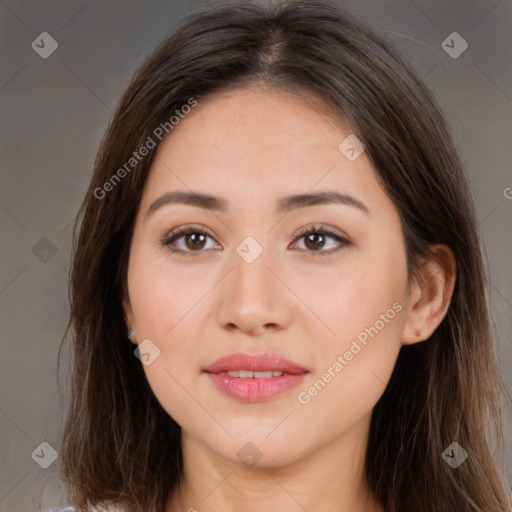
(322, 229)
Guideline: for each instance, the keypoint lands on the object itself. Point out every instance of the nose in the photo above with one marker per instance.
(254, 297)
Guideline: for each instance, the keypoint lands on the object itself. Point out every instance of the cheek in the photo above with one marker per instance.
(166, 312)
(164, 300)
(166, 315)
(364, 310)
(354, 369)
(174, 391)
(351, 300)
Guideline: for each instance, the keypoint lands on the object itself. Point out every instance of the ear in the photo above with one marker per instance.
(430, 295)
(127, 309)
(128, 315)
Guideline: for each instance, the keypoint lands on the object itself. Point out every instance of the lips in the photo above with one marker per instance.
(255, 363)
(255, 378)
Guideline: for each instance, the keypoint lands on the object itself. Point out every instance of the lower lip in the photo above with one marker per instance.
(255, 390)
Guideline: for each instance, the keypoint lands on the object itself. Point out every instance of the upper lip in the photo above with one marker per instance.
(255, 363)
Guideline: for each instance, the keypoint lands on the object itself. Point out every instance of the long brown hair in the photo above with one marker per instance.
(119, 445)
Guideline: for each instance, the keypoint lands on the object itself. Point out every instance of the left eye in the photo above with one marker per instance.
(314, 236)
(195, 239)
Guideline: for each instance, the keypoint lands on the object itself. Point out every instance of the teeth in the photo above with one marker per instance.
(248, 374)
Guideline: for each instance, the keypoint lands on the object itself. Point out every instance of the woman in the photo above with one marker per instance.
(278, 295)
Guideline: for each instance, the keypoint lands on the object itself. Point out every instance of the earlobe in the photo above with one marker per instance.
(132, 336)
(127, 310)
(128, 319)
(431, 295)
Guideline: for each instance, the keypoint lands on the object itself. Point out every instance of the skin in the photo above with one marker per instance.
(252, 146)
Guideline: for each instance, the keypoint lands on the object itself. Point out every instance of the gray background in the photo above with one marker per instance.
(54, 111)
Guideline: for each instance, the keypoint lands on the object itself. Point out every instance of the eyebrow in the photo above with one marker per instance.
(285, 204)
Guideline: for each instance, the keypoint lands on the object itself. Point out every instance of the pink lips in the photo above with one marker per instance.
(255, 389)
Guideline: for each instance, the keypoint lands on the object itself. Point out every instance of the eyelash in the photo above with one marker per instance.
(177, 233)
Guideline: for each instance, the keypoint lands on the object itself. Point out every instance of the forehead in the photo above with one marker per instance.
(239, 121)
(253, 143)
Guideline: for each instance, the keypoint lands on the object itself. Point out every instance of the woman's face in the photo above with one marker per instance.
(259, 283)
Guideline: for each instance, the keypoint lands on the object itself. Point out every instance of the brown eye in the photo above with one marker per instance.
(316, 239)
(195, 239)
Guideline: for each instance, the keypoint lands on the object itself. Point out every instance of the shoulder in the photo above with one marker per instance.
(94, 509)
(66, 509)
